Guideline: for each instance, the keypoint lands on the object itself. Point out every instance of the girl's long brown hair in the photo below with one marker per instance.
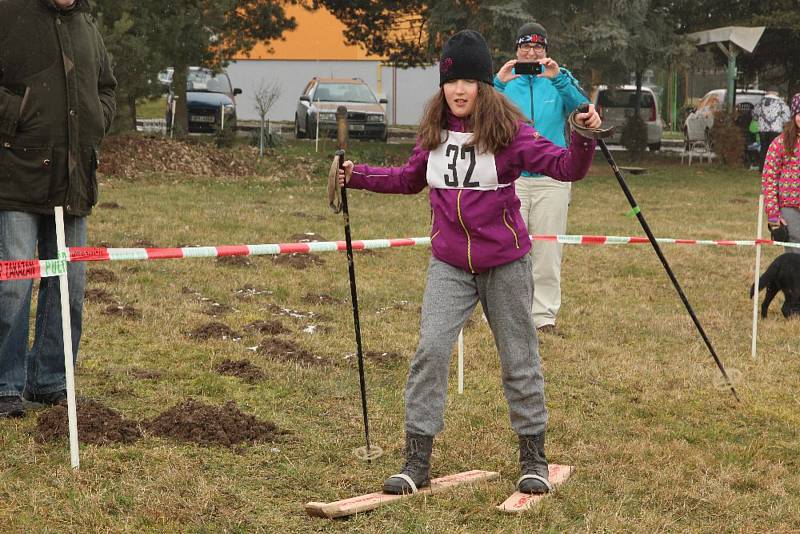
(494, 121)
(790, 133)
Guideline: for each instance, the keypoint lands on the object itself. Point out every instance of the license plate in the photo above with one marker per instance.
(357, 127)
(201, 118)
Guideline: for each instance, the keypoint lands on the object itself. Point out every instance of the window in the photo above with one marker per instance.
(624, 98)
(344, 92)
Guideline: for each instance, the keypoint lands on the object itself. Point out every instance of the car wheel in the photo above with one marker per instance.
(654, 147)
(297, 133)
(311, 134)
(385, 136)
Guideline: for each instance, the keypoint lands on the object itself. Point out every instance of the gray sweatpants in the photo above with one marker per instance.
(792, 218)
(506, 294)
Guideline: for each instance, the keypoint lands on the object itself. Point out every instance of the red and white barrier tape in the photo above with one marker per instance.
(27, 269)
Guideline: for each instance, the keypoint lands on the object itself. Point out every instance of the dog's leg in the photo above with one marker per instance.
(768, 296)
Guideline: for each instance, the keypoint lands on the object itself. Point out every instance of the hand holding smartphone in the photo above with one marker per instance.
(531, 68)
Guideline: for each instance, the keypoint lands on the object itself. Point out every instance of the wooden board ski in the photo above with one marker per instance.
(371, 501)
(519, 502)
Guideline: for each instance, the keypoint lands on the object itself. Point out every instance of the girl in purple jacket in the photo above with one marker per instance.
(472, 145)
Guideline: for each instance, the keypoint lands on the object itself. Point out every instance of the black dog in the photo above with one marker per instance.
(782, 275)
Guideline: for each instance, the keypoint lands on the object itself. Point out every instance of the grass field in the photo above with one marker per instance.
(630, 385)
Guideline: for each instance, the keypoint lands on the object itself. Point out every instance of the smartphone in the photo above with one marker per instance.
(528, 68)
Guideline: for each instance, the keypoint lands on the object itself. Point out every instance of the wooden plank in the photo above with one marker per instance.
(634, 170)
(519, 502)
(371, 501)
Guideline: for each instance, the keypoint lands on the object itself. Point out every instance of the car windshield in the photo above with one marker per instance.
(343, 92)
(207, 81)
(624, 99)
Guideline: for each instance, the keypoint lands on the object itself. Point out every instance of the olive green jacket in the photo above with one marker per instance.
(56, 104)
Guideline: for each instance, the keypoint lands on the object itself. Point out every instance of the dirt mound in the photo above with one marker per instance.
(98, 295)
(307, 237)
(125, 311)
(109, 205)
(243, 369)
(321, 298)
(144, 243)
(214, 330)
(215, 309)
(235, 261)
(97, 424)
(104, 276)
(146, 374)
(128, 156)
(268, 327)
(249, 291)
(200, 423)
(286, 351)
(297, 261)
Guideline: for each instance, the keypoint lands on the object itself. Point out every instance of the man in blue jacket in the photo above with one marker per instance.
(546, 100)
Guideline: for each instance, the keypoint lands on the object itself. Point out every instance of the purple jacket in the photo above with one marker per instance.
(476, 223)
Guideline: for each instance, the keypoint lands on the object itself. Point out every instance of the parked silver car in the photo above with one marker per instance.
(316, 107)
(616, 104)
(700, 120)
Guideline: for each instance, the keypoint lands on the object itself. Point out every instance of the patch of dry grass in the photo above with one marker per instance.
(630, 385)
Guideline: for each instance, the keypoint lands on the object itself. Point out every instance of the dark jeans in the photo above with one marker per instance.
(766, 139)
(40, 369)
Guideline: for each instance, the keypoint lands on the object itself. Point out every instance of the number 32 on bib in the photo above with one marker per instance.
(452, 165)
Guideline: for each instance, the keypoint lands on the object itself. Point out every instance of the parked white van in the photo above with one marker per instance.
(616, 104)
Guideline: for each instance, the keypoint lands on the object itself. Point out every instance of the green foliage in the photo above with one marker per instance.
(146, 36)
(727, 138)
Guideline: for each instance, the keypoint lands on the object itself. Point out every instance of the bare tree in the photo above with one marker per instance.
(266, 94)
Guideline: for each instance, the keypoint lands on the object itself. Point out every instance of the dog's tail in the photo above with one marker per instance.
(765, 279)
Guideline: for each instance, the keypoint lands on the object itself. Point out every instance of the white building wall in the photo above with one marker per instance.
(414, 86)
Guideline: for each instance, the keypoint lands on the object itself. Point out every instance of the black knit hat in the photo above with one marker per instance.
(532, 32)
(465, 56)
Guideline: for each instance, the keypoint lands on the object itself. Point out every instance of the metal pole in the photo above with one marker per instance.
(664, 262)
(354, 298)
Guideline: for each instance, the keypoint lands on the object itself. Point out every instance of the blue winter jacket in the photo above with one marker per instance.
(548, 101)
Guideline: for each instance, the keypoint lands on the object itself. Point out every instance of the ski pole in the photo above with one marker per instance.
(643, 222)
(354, 298)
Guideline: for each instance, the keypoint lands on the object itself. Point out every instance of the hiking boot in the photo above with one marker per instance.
(56, 398)
(11, 406)
(416, 471)
(533, 465)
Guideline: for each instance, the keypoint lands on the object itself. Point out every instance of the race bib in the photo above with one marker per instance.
(452, 165)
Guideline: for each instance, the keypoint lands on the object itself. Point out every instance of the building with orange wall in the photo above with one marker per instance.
(316, 47)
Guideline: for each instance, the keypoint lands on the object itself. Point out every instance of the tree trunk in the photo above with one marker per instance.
(132, 112)
(637, 104)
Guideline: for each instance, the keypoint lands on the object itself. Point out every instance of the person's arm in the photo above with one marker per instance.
(408, 179)
(569, 89)
(769, 181)
(532, 152)
(106, 84)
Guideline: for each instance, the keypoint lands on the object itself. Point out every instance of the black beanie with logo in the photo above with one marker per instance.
(465, 56)
(532, 32)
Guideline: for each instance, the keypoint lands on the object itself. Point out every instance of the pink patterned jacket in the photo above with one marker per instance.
(780, 181)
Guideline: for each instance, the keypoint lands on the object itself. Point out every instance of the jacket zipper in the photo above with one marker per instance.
(505, 221)
(531, 85)
(463, 226)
